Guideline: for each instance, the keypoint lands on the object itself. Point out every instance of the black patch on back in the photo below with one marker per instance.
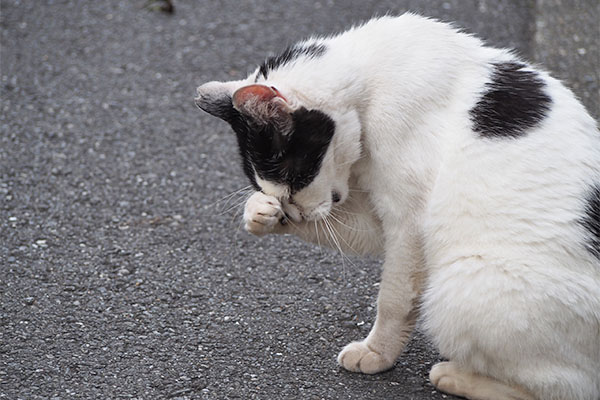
(591, 221)
(515, 101)
(292, 159)
(290, 54)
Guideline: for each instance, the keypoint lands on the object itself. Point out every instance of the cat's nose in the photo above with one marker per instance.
(335, 197)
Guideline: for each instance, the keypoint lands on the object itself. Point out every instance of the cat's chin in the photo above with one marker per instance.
(314, 218)
(317, 214)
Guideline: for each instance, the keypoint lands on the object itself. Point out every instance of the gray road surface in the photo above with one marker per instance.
(122, 275)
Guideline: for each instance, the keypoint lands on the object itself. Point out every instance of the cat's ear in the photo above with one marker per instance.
(265, 104)
(215, 99)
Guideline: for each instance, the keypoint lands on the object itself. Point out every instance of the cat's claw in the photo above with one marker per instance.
(359, 357)
(262, 213)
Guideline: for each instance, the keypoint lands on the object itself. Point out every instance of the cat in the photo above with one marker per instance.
(476, 177)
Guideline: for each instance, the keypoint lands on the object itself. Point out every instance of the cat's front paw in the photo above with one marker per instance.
(359, 357)
(262, 214)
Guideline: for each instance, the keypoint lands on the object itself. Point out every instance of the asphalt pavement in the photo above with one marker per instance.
(124, 271)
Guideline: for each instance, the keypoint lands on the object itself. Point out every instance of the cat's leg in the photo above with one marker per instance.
(450, 378)
(401, 280)
(399, 290)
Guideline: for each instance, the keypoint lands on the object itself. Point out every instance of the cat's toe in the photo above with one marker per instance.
(441, 375)
(359, 357)
(261, 214)
(260, 226)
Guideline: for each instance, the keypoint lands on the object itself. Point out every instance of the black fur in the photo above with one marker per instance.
(591, 221)
(515, 101)
(290, 54)
(222, 107)
(291, 159)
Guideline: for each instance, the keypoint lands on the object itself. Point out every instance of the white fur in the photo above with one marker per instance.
(483, 232)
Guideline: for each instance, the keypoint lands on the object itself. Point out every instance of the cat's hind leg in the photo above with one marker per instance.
(450, 378)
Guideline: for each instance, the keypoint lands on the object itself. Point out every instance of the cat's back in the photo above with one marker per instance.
(407, 44)
(522, 171)
(408, 28)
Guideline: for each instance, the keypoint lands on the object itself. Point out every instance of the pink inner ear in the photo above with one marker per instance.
(260, 92)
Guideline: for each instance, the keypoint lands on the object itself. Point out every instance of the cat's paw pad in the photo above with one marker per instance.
(359, 357)
(261, 214)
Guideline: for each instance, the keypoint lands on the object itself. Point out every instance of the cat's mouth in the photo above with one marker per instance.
(293, 212)
(297, 213)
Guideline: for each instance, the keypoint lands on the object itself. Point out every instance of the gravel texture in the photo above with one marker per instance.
(567, 34)
(123, 269)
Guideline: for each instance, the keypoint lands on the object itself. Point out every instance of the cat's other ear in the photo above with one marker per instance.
(264, 104)
(215, 99)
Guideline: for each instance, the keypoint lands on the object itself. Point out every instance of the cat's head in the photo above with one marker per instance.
(294, 152)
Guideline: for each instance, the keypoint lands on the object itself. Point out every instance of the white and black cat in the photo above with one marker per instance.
(474, 174)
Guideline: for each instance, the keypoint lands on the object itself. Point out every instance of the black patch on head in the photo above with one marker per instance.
(290, 54)
(292, 159)
(243, 127)
(223, 108)
(514, 102)
(591, 221)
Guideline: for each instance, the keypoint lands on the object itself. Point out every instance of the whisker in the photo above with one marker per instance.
(236, 205)
(339, 221)
(358, 190)
(334, 236)
(243, 194)
(342, 255)
(240, 225)
(345, 242)
(337, 218)
(240, 207)
(319, 245)
(328, 234)
(318, 239)
(342, 211)
(292, 223)
(337, 243)
(233, 194)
